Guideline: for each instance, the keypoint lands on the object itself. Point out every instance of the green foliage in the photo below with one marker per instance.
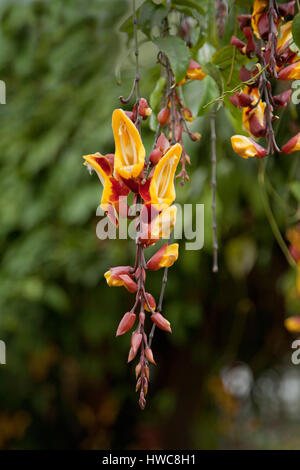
(296, 30)
(177, 52)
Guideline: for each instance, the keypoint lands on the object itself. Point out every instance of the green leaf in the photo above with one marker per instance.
(223, 57)
(213, 71)
(295, 189)
(178, 54)
(296, 30)
(148, 16)
(155, 96)
(210, 93)
(244, 3)
(189, 4)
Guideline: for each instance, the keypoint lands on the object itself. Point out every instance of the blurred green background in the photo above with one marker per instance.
(224, 377)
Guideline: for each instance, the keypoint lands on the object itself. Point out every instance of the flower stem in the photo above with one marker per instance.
(215, 267)
(270, 216)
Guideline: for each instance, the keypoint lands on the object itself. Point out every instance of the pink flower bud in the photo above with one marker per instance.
(149, 355)
(244, 20)
(240, 45)
(126, 323)
(286, 9)
(161, 321)
(283, 98)
(250, 41)
(138, 370)
(138, 384)
(163, 116)
(144, 109)
(145, 386)
(162, 143)
(131, 354)
(155, 156)
(151, 301)
(136, 340)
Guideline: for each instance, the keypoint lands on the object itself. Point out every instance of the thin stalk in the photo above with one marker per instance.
(271, 218)
(215, 267)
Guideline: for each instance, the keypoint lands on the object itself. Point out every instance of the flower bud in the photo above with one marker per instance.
(149, 355)
(145, 386)
(138, 384)
(282, 99)
(147, 371)
(163, 116)
(194, 71)
(138, 370)
(155, 156)
(144, 109)
(244, 20)
(151, 302)
(126, 323)
(131, 354)
(136, 340)
(161, 322)
(196, 136)
(286, 9)
(240, 45)
(187, 114)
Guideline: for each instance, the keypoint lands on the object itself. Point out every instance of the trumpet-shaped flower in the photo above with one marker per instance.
(194, 71)
(160, 227)
(160, 190)
(113, 189)
(292, 145)
(258, 17)
(291, 72)
(246, 147)
(120, 276)
(164, 257)
(254, 120)
(129, 152)
(285, 36)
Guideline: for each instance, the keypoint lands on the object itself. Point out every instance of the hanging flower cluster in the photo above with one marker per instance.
(152, 183)
(176, 119)
(292, 323)
(268, 39)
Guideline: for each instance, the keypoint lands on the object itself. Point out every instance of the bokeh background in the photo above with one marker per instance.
(224, 377)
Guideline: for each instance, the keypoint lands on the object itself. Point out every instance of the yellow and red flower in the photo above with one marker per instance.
(259, 19)
(246, 147)
(129, 151)
(292, 145)
(253, 117)
(121, 276)
(194, 72)
(164, 257)
(291, 72)
(113, 189)
(159, 226)
(159, 190)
